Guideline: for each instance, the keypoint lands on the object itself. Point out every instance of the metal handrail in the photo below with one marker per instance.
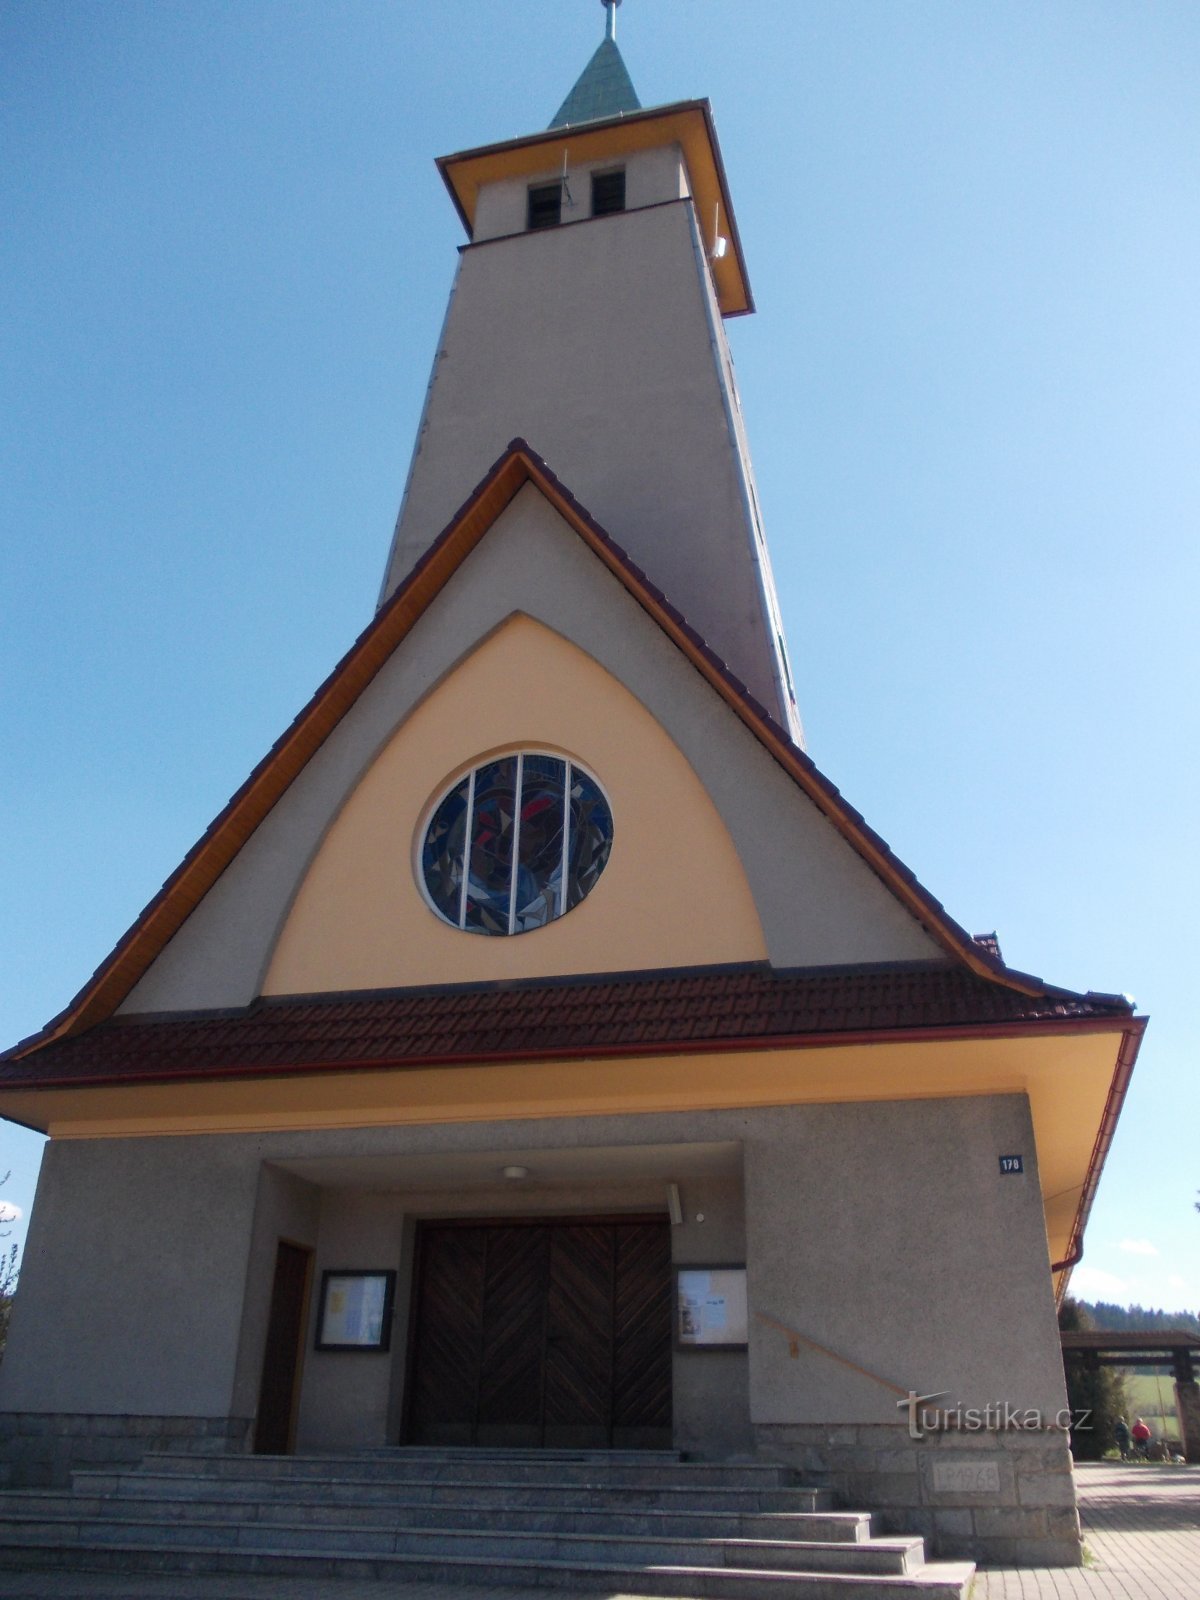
(795, 1340)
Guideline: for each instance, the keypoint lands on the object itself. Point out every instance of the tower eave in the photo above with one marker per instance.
(688, 123)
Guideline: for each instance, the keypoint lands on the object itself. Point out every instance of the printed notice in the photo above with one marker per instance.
(712, 1307)
(354, 1310)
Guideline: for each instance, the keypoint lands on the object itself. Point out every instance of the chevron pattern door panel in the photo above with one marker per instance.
(445, 1380)
(642, 1337)
(513, 1337)
(579, 1337)
(542, 1333)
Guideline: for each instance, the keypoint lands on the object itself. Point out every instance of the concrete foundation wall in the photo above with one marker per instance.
(40, 1450)
(1004, 1498)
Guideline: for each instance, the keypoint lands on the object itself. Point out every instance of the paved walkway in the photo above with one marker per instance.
(1141, 1530)
(1141, 1526)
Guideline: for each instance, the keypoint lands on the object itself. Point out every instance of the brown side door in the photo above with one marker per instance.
(542, 1333)
(279, 1388)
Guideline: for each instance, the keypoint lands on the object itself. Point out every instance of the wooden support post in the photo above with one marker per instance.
(1187, 1402)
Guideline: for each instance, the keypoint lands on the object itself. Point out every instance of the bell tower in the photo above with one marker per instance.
(587, 316)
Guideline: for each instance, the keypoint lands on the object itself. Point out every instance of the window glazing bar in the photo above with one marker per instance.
(466, 863)
(516, 843)
(566, 855)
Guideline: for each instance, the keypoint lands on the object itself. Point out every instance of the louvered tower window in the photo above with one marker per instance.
(608, 192)
(545, 205)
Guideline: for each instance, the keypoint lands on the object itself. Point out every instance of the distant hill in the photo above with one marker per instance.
(1138, 1319)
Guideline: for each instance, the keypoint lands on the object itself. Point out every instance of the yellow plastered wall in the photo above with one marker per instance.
(673, 892)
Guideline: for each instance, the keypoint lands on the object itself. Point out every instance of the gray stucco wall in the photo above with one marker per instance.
(345, 1396)
(883, 1231)
(356, 1400)
(286, 1208)
(133, 1278)
(711, 1387)
(597, 343)
(887, 1233)
(819, 904)
(651, 176)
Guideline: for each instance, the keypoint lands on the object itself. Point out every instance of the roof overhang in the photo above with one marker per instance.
(1073, 1073)
(688, 123)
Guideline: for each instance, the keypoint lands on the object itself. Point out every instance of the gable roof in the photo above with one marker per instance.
(517, 466)
(670, 1012)
(603, 89)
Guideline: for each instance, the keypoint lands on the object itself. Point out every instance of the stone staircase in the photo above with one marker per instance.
(635, 1523)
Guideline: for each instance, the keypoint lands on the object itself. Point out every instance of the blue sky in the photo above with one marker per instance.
(972, 389)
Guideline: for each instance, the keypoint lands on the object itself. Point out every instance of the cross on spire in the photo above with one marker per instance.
(610, 21)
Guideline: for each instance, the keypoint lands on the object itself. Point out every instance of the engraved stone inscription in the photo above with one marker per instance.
(966, 1477)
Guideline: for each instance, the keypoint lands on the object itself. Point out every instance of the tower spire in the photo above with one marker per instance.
(604, 88)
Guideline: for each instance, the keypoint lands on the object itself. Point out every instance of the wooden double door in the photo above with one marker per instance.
(542, 1333)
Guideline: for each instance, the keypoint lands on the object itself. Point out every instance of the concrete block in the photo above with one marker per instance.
(885, 1489)
(37, 1450)
(952, 1522)
(1046, 1489)
(896, 1461)
(958, 1439)
(1063, 1523)
(1007, 1522)
(1048, 1442)
(1027, 1553)
(108, 1427)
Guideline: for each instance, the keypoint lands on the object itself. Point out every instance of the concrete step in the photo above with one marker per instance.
(939, 1581)
(461, 1490)
(535, 1467)
(397, 1513)
(583, 1521)
(896, 1556)
(483, 1452)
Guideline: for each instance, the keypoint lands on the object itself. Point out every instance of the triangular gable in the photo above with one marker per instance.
(518, 466)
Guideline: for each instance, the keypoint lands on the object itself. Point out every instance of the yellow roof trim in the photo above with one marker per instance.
(1065, 1073)
(688, 124)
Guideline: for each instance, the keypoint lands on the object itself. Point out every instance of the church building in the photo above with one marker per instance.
(539, 1052)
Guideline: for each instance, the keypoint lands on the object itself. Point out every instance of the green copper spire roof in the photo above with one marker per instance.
(604, 89)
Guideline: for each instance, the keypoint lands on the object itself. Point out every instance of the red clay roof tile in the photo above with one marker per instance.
(651, 1012)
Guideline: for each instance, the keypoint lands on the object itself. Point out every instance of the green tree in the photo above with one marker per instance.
(1098, 1393)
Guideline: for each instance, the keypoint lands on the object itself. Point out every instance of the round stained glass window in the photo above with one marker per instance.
(515, 843)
